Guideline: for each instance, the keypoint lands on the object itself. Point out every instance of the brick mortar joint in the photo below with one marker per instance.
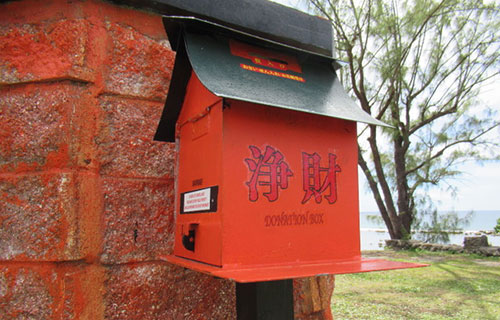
(53, 171)
(110, 94)
(137, 178)
(137, 263)
(57, 80)
(42, 263)
(80, 262)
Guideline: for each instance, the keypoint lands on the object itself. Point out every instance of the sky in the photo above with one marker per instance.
(478, 188)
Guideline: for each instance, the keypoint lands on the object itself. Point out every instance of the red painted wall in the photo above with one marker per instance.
(86, 196)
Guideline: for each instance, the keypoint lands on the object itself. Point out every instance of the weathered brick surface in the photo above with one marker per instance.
(38, 217)
(89, 199)
(312, 297)
(82, 184)
(162, 291)
(140, 66)
(81, 291)
(125, 140)
(53, 50)
(82, 128)
(138, 220)
(35, 126)
(27, 294)
(85, 40)
(50, 291)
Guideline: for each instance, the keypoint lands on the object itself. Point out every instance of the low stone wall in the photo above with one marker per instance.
(477, 245)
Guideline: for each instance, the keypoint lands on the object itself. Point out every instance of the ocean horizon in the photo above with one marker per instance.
(374, 233)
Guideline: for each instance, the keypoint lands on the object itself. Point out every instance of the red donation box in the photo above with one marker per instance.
(267, 181)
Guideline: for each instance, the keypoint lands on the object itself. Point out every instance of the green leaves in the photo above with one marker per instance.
(497, 227)
(435, 228)
(418, 65)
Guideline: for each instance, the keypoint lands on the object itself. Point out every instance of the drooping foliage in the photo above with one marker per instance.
(419, 66)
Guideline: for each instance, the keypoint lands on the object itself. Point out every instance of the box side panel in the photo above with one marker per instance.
(294, 187)
(199, 131)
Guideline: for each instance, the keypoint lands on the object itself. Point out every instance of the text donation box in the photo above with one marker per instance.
(267, 182)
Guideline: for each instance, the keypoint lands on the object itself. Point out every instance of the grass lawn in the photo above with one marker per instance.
(455, 286)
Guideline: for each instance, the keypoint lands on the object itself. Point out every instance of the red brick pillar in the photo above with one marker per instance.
(86, 196)
(312, 298)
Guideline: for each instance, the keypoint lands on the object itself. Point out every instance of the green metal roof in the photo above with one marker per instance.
(308, 83)
(316, 89)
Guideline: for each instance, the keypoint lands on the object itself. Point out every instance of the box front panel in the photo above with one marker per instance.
(291, 187)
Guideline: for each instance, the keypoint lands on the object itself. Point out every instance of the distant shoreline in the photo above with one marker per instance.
(466, 232)
(374, 238)
(483, 221)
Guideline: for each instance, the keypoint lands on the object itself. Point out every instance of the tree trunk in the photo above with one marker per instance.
(404, 213)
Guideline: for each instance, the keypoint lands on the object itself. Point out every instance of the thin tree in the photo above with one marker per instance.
(418, 66)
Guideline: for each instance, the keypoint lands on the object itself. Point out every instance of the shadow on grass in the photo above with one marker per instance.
(467, 288)
(453, 287)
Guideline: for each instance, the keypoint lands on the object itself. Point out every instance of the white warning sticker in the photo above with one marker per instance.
(197, 200)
